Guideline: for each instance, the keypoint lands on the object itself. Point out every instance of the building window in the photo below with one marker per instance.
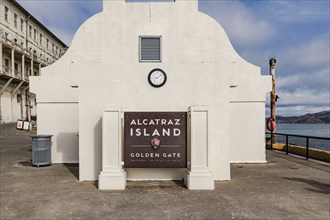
(6, 62)
(150, 49)
(19, 98)
(47, 44)
(52, 47)
(40, 39)
(34, 34)
(6, 65)
(6, 13)
(30, 31)
(22, 24)
(6, 36)
(15, 20)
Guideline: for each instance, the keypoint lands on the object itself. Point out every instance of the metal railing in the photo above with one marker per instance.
(307, 141)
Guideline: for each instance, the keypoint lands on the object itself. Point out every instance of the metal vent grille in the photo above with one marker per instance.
(150, 48)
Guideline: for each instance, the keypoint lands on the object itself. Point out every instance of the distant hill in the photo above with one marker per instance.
(316, 118)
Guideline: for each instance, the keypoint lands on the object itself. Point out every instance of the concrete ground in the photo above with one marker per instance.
(287, 187)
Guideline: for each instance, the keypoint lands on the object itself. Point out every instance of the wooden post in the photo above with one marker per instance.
(272, 63)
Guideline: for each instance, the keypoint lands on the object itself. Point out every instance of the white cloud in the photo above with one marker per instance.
(303, 97)
(318, 80)
(299, 11)
(314, 53)
(242, 25)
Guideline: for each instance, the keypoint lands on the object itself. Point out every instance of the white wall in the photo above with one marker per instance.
(6, 111)
(102, 61)
(247, 139)
(16, 107)
(60, 120)
(11, 109)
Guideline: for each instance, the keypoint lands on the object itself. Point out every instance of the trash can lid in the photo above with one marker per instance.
(42, 136)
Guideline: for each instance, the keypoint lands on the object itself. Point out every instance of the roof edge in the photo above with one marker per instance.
(37, 21)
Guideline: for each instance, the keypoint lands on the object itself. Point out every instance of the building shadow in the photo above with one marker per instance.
(319, 165)
(73, 168)
(318, 187)
(155, 184)
(97, 148)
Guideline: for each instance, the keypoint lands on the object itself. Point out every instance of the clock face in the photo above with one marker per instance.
(157, 78)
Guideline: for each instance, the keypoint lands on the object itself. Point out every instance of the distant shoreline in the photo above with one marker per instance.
(315, 118)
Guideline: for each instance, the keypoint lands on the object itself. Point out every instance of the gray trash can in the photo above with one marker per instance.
(41, 150)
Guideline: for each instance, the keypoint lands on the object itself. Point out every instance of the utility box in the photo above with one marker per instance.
(41, 150)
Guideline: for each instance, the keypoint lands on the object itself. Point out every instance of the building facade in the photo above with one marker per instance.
(25, 47)
(117, 64)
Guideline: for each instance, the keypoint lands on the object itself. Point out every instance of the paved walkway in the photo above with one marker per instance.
(287, 187)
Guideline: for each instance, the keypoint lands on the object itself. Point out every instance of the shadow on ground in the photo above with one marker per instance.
(320, 187)
(73, 168)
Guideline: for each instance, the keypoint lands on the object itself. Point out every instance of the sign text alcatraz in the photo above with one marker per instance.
(157, 132)
(155, 139)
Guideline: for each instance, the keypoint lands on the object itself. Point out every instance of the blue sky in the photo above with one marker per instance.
(296, 32)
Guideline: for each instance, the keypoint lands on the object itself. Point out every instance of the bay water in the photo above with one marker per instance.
(317, 130)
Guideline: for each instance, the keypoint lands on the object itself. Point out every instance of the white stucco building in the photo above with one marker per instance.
(105, 73)
(25, 47)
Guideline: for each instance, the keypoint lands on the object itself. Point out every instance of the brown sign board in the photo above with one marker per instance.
(155, 139)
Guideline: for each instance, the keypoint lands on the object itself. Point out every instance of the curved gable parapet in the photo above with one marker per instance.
(188, 35)
(61, 68)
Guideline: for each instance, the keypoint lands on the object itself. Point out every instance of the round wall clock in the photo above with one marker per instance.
(157, 78)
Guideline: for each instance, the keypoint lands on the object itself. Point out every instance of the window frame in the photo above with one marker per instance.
(35, 34)
(15, 20)
(22, 24)
(6, 63)
(30, 31)
(6, 13)
(160, 48)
